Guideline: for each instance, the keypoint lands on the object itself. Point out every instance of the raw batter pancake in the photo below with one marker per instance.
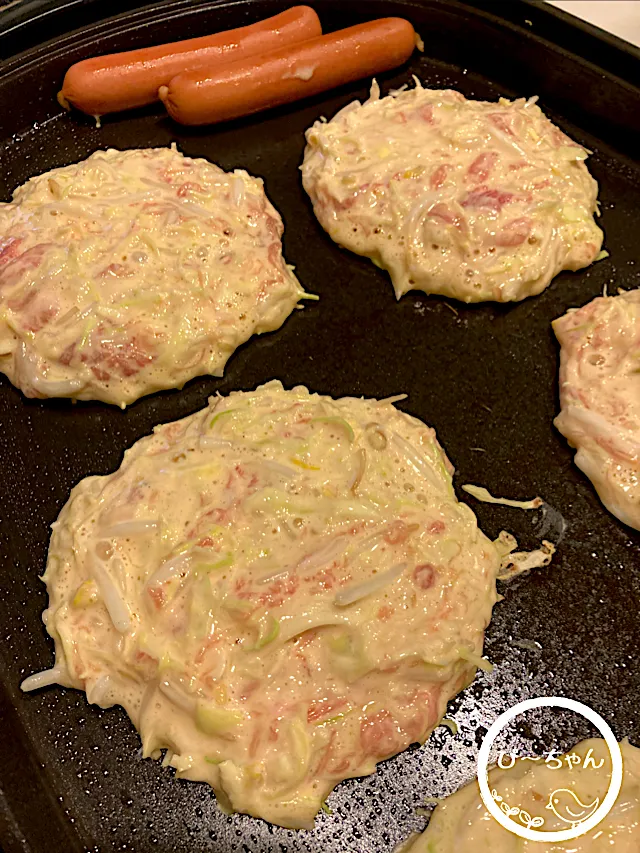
(470, 199)
(462, 823)
(134, 271)
(600, 397)
(281, 590)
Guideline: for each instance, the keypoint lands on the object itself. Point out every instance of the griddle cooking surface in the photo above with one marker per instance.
(484, 376)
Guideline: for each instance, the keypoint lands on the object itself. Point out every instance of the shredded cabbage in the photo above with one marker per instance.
(137, 527)
(517, 563)
(169, 569)
(57, 675)
(386, 401)
(358, 470)
(600, 426)
(114, 602)
(354, 593)
(30, 365)
(483, 495)
(419, 463)
(98, 692)
(475, 659)
(177, 697)
(450, 724)
(324, 555)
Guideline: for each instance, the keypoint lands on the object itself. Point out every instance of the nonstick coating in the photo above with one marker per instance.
(484, 376)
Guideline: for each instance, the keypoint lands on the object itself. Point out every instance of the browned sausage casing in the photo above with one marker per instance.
(121, 81)
(290, 73)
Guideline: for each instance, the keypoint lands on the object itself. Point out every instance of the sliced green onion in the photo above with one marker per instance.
(336, 421)
(217, 417)
(268, 632)
(216, 721)
(87, 332)
(224, 563)
(349, 658)
(330, 720)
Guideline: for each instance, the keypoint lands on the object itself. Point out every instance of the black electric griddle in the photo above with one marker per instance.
(71, 778)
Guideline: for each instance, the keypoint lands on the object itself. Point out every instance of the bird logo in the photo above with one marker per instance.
(567, 806)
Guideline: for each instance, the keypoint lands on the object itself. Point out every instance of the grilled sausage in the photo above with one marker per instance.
(121, 81)
(288, 73)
